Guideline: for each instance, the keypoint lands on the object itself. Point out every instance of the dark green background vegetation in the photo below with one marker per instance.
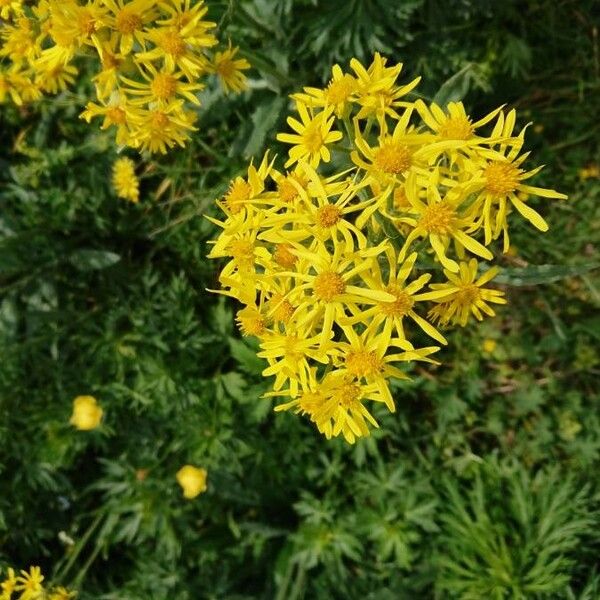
(484, 484)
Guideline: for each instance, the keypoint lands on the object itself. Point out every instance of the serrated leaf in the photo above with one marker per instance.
(93, 260)
(540, 274)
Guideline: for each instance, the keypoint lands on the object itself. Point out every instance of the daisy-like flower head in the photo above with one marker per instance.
(128, 19)
(339, 93)
(313, 133)
(377, 92)
(500, 178)
(230, 70)
(394, 280)
(322, 211)
(440, 221)
(160, 87)
(464, 295)
(161, 128)
(29, 583)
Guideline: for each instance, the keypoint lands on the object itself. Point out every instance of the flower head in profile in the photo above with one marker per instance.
(87, 413)
(192, 481)
(125, 181)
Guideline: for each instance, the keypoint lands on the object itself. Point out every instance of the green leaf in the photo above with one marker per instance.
(456, 87)
(540, 274)
(246, 357)
(263, 119)
(93, 260)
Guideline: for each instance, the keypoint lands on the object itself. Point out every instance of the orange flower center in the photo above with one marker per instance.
(86, 24)
(159, 120)
(393, 158)
(164, 86)
(250, 322)
(347, 395)
(456, 128)
(310, 402)
(328, 215)
(438, 218)
(242, 250)
(338, 91)
(239, 193)
(288, 192)
(502, 178)
(467, 295)
(172, 43)
(312, 138)
(400, 200)
(363, 363)
(128, 22)
(328, 285)
(117, 115)
(400, 306)
(283, 308)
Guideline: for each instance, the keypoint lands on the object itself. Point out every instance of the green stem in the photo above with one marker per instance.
(79, 546)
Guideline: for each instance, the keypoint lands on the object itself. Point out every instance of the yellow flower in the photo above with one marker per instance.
(87, 414)
(489, 345)
(9, 8)
(229, 70)
(56, 79)
(499, 177)
(325, 260)
(192, 480)
(19, 41)
(377, 93)
(117, 112)
(440, 220)
(339, 92)
(61, 593)
(128, 19)
(159, 129)
(464, 295)
(311, 137)
(160, 87)
(8, 586)
(30, 584)
(455, 124)
(125, 182)
(589, 172)
(392, 314)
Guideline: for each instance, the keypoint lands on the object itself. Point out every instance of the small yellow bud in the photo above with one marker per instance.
(86, 413)
(192, 480)
(489, 345)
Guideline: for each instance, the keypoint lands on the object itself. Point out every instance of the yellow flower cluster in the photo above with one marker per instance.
(383, 197)
(29, 586)
(151, 56)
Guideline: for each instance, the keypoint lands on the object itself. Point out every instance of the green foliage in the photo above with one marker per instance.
(483, 484)
(510, 535)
